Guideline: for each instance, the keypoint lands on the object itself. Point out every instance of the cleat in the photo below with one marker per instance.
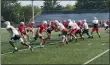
(31, 48)
(59, 35)
(66, 42)
(15, 50)
(83, 38)
(61, 43)
(89, 37)
(92, 37)
(76, 40)
(44, 41)
(70, 40)
(99, 37)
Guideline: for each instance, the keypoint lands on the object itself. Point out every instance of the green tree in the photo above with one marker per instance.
(68, 7)
(59, 8)
(7, 8)
(49, 5)
(92, 4)
(26, 12)
(13, 11)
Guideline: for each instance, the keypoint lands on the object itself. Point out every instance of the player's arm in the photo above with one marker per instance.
(57, 29)
(46, 32)
(38, 30)
(69, 29)
(26, 30)
(19, 30)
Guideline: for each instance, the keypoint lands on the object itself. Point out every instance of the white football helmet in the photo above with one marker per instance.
(7, 23)
(95, 17)
(44, 22)
(22, 23)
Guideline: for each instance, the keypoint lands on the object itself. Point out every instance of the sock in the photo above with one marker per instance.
(15, 48)
(63, 38)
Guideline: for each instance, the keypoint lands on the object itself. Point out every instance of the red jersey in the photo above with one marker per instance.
(42, 28)
(53, 25)
(65, 24)
(56, 25)
(22, 29)
(80, 24)
(31, 25)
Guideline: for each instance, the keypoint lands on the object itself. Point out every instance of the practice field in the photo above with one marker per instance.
(88, 51)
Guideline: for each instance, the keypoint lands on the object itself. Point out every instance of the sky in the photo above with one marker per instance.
(40, 3)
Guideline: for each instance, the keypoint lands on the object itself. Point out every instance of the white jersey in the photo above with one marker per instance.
(105, 24)
(85, 26)
(12, 30)
(49, 25)
(95, 21)
(77, 27)
(72, 25)
(61, 26)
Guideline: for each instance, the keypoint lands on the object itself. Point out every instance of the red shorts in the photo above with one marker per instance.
(95, 29)
(74, 31)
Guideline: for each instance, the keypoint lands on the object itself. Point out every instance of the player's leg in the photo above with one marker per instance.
(93, 29)
(12, 44)
(80, 33)
(73, 34)
(36, 36)
(49, 34)
(83, 32)
(28, 37)
(32, 32)
(87, 33)
(106, 27)
(97, 31)
(24, 36)
(42, 41)
(66, 37)
(24, 43)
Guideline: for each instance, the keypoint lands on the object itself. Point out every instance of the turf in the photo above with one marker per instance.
(72, 53)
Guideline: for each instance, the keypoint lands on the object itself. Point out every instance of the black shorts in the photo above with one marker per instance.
(85, 31)
(49, 30)
(36, 36)
(29, 30)
(106, 27)
(16, 37)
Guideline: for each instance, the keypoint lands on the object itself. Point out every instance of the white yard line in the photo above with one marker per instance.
(20, 50)
(96, 57)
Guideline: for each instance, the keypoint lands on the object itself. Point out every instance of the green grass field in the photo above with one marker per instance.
(79, 52)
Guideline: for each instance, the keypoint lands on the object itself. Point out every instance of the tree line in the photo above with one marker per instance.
(13, 11)
(81, 5)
